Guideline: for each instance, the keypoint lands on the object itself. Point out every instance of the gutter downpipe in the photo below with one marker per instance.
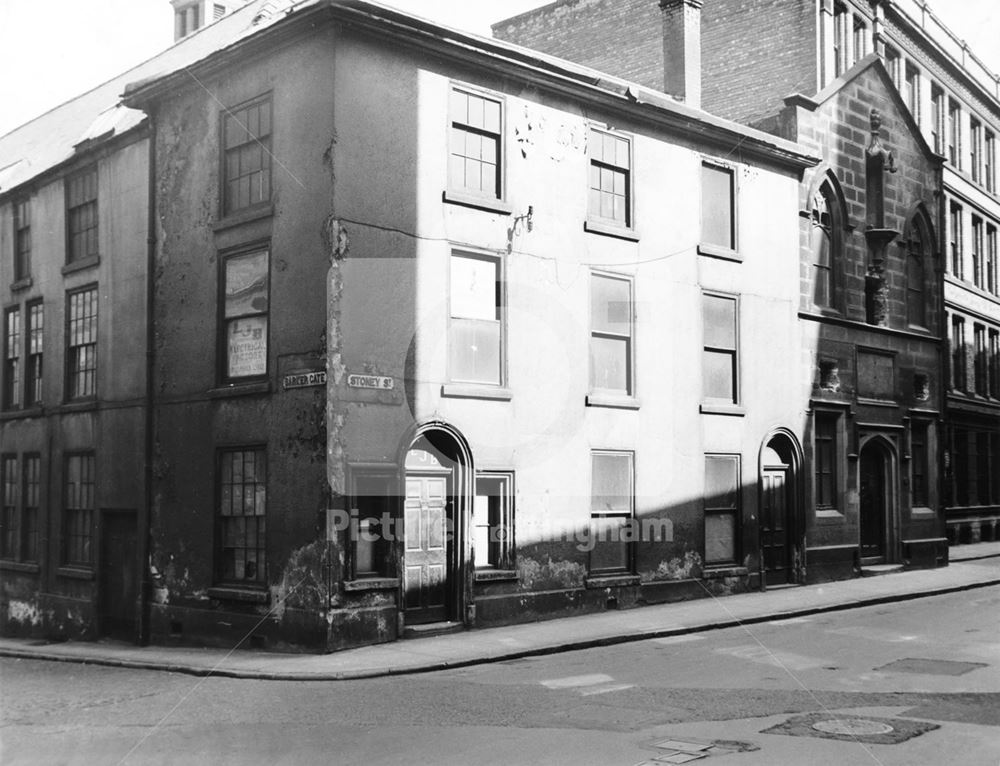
(146, 586)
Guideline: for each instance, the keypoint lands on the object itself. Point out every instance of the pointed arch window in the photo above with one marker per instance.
(825, 246)
(916, 276)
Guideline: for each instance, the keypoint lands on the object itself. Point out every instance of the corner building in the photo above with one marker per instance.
(451, 334)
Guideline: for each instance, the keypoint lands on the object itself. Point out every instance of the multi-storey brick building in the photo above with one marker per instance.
(752, 55)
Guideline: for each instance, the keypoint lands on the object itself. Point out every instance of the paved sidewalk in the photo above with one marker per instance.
(973, 566)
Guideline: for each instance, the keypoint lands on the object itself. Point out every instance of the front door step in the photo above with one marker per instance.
(431, 629)
(880, 569)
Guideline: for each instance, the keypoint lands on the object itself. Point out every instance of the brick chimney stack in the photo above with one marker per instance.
(682, 49)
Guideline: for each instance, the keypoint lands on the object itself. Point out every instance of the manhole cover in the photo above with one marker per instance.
(932, 667)
(871, 731)
(853, 727)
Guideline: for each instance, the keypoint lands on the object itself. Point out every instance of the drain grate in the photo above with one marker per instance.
(932, 667)
(687, 751)
(870, 731)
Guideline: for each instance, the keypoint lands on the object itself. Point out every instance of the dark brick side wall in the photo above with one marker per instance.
(621, 37)
(754, 53)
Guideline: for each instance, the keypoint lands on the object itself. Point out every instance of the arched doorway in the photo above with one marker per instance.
(437, 473)
(874, 475)
(780, 474)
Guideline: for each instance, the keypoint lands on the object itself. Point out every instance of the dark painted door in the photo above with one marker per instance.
(774, 527)
(119, 579)
(872, 470)
(425, 564)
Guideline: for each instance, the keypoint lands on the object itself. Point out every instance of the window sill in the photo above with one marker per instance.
(473, 391)
(611, 581)
(718, 571)
(240, 389)
(234, 593)
(610, 230)
(79, 406)
(828, 515)
(489, 204)
(28, 412)
(878, 402)
(21, 284)
(84, 263)
(615, 401)
(732, 410)
(718, 251)
(922, 510)
(247, 215)
(19, 566)
(495, 575)
(364, 584)
(75, 573)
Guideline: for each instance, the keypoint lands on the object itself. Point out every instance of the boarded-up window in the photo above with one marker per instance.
(876, 375)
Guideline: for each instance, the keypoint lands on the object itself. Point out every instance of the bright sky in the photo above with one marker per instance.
(53, 50)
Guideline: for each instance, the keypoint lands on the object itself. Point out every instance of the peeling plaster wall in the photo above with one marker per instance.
(40, 597)
(196, 415)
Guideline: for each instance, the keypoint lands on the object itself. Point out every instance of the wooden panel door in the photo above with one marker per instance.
(118, 576)
(425, 557)
(873, 486)
(774, 527)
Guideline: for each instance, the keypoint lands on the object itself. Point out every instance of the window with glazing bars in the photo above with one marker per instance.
(475, 331)
(912, 94)
(718, 206)
(475, 144)
(918, 464)
(35, 331)
(994, 364)
(991, 260)
(29, 509)
(12, 359)
(977, 251)
(720, 368)
(612, 499)
(990, 162)
(955, 240)
(611, 352)
(78, 515)
(81, 359)
(976, 148)
(958, 352)
(246, 156)
(954, 134)
(937, 118)
(916, 305)
(722, 504)
(242, 515)
(825, 459)
(979, 362)
(8, 482)
(610, 177)
(81, 215)
(22, 240)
